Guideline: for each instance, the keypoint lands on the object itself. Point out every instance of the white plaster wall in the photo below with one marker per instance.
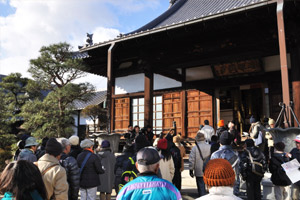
(272, 63)
(199, 73)
(135, 83)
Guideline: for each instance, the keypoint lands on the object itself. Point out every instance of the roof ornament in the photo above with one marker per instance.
(172, 2)
(89, 39)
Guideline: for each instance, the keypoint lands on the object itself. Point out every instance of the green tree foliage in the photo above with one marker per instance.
(95, 112)
(55, 70)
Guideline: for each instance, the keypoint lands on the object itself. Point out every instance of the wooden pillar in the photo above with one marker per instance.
(183, 115)
(217, 108)
(283, 56)
(295, 76)
(110, 89)
(148, 98)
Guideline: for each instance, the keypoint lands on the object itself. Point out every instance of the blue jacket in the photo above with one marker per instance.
(149, 186)
(27, 154)
(34, 195)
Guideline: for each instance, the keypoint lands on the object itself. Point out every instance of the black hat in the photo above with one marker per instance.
(225, 138)
(147, 156)
(249, 142)
(53, 147)
(279, 146)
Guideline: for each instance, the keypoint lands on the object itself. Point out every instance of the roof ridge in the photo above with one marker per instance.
(161, 17)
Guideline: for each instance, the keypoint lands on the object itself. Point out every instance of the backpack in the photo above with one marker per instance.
(257, 168)
(128, 175)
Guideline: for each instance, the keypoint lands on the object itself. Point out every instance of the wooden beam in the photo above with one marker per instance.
(148, 99)
(110, 89)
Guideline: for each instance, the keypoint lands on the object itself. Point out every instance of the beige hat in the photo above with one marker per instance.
(74, 140)
(271, 121)
(200, 136)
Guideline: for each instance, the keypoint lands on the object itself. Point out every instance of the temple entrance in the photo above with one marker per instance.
(238, 104)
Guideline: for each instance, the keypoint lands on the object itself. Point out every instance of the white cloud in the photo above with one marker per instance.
(37, 23)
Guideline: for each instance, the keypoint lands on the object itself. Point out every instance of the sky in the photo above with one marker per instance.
(27, 25)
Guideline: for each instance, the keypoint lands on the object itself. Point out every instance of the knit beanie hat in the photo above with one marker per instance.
(162, 144)
(53, 147)
(219, 172)
(74, 140)
(86, 143)
(279, 146)
(200, 136)
(221, 123)
(225, 138)
(105, 144)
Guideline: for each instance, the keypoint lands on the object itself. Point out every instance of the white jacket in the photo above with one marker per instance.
(221, 192)
(195, 160)
(208, 132)
(167, 169)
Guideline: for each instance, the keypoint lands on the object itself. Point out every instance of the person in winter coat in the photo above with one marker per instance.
(54, 175)
(28, 153)
(257, 133)
(252, 179)
(279, 178)
(71, 167)
(268, 137)
(17, 185)
(75, 148)
(208, 131)
(295, 154)
(41, 149)
(219, 177)
(177, 141)
(108, 161)
(196, 161)
(221, 128)
(121, 164)
(166, 164)
(236, 136)
(226, 152)
(176, 156)
(89, 177)
(147, 185)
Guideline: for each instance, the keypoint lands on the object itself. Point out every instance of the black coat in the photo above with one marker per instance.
(296, 154)
(90, 174)
(73, 177)
(75, 151)
(279, 176)
(220, 130)
(245, 162)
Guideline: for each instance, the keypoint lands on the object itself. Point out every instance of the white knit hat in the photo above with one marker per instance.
(86, 143)
(74, 140)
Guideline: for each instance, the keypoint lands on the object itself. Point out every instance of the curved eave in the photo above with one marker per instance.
(178, 25)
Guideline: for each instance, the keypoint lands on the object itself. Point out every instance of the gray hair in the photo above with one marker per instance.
(64, 143)
(147, 168)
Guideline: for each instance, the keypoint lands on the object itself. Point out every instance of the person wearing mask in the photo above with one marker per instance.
(90, 167)
(199, 153)
(71, 167)
(221, 128)
(219, 177)
(226, 152)
(279, 178)
(108, 161)
(295, 154)
(252, 176)
(54, 175)
(147, 185)
(208, 131)
(28, 153)
(75, 148)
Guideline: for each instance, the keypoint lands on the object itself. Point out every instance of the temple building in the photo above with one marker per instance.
(202, 59)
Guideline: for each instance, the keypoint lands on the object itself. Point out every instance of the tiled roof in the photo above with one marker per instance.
(185, 12)
(98, 98)
(78, 55)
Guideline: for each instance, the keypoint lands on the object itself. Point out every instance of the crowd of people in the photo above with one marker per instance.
(149, 167)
